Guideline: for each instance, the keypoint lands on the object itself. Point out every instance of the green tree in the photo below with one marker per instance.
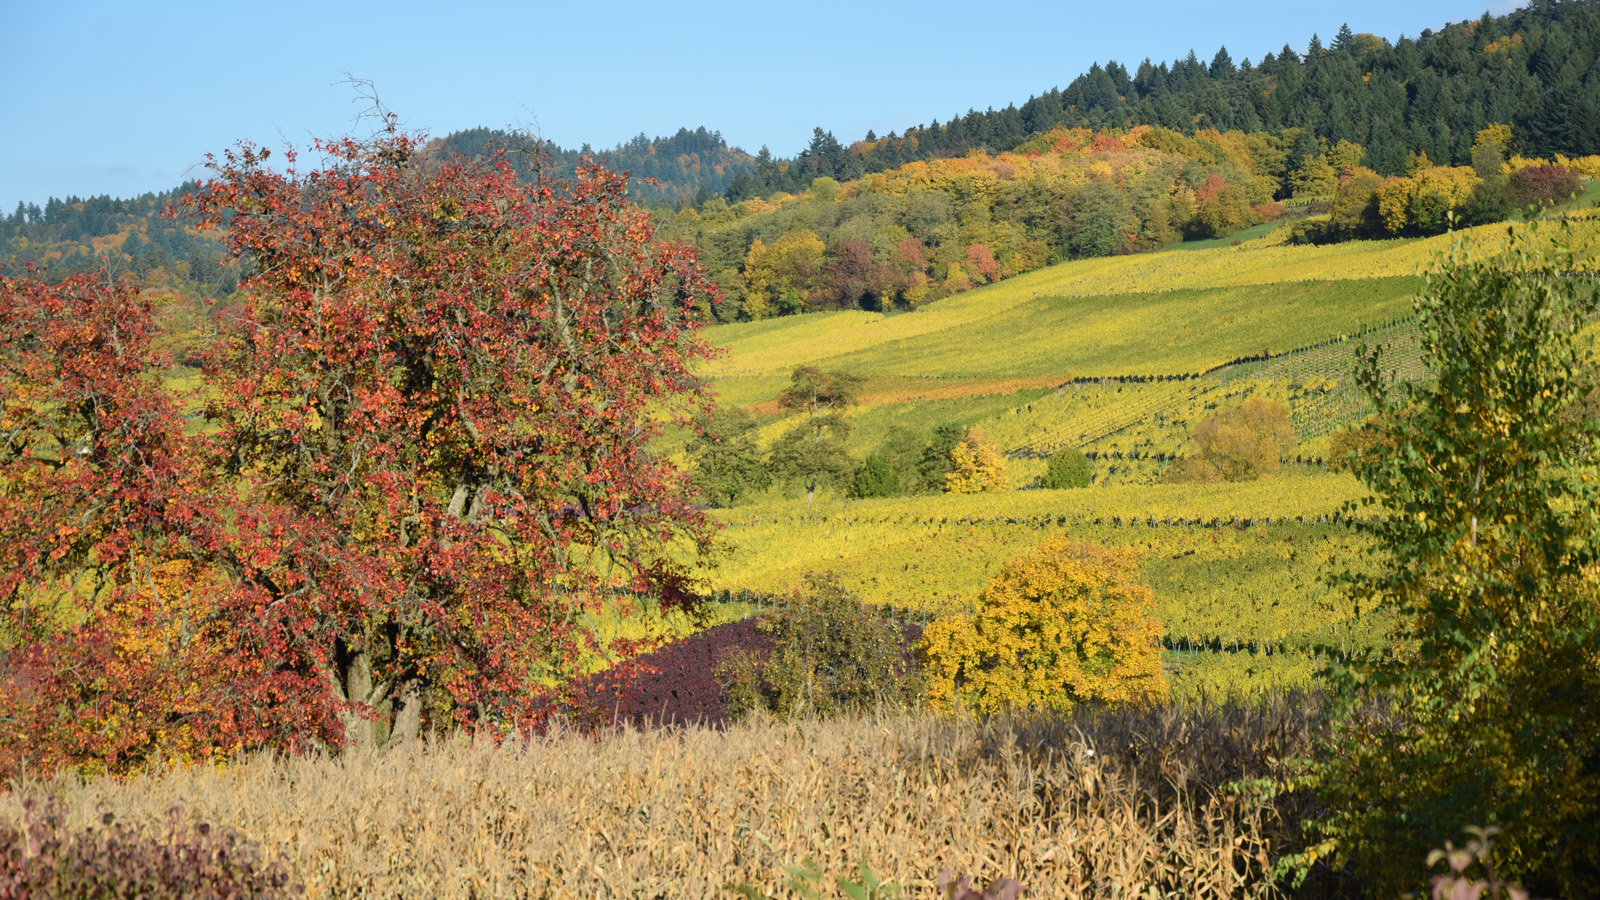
(727, 466)
(1068, 468)
(830, 654)
(1100, 217)
(814, 450)
(936, 462)
(876, 478)
(901, 450)
(1484, 710)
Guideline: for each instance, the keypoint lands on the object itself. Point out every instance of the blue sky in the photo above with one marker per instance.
(123, 98)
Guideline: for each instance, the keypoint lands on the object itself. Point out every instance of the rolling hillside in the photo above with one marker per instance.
(1121, 358)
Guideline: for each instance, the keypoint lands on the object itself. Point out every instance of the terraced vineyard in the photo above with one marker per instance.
(1120, 358)
(1237, 569)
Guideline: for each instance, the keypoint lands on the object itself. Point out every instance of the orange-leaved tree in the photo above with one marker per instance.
(108, 652)
(1066, 624)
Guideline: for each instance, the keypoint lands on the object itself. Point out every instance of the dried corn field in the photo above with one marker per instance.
(1115, 804)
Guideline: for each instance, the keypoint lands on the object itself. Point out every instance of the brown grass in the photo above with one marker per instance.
(1121, 803)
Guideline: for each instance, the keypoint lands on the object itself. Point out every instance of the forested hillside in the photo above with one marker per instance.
(1369, 138)
(1537, 69)
(929, 229)
(687, 168)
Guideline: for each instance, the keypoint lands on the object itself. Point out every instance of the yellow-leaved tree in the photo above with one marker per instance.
(978, 467)
(1068, 623)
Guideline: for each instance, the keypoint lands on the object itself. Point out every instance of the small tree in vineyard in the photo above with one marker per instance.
(976, 467)
(1240, 443)
(1068, 468)
(813, 451)
(1066, 624)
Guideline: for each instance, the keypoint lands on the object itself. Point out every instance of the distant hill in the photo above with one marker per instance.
(1278, 127)
(1536, 69)
(689, 167)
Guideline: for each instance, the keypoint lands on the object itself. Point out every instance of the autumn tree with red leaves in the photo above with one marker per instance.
(110, 654)
(426, 458)
(437, 416)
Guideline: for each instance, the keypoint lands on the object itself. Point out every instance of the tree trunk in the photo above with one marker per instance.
(407, 725)
(360, 732)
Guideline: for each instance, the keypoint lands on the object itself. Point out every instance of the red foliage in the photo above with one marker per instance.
(1545, 185)
(457, 375)
(981, 262)
(1105, 143)
(1211, 189)
(111, 656)
(1269, 211)
(429, 452)
(850, 275)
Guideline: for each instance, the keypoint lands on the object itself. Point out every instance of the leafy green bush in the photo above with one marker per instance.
(1068, 469)
(876, 479)
(936, 463)
(830, 654)
(44, 860)
(727, 464)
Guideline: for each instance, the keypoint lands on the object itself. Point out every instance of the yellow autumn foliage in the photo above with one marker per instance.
(1066, 624)
(1425, 199)
(978, 467)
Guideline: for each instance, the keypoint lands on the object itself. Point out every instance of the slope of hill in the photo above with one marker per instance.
(1157, 314)
(1534, 68)
(1120, 358)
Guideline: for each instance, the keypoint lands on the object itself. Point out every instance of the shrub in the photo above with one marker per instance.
(1310, 230)
(1268, 212)
(1422, 202)
(1546, 185)
(1238, 444)
(936, 464)
(1068, 469)
(1064, 625)
(876, 478)
(1354, 211)
(727, 464)
(1488, 203)
(830, 654)
(44, 860)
